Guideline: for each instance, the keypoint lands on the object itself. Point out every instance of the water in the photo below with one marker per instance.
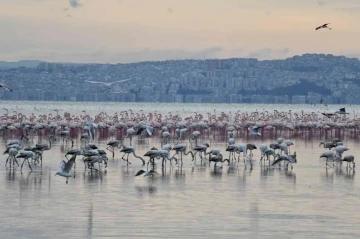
(92, 108)
(193, 202)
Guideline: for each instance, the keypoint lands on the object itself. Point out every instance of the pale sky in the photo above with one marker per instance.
(121, 31)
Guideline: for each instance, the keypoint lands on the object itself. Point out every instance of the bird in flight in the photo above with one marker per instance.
(105, 83)
(5, 87)
(255, 130)
(323, 26)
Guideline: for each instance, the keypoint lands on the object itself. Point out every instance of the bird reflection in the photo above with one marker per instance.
(179, 173)
(145, 189)
(125, 173)
(266, 171)
(328, 176)
(232, 169)
(94, 175)
(90, 221)
(216, 173)
(349, 174)
(290, 175)
(10, 176)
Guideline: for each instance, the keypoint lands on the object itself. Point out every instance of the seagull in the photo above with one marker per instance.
(65, 168)
(323, 26)
(254, 130)
(150, 173)
(105, 83)
(149, 129)
(5, 87)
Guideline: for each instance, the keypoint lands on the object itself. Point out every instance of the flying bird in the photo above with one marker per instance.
(323, 26)
(150, 173)
(341, 111)
(5, 87)
(105, 83)
(255, 130)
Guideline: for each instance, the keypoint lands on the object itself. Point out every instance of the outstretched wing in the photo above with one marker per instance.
(141, 171)
(62, 166)
(69, 164)
(141, 129)
(149, 130)
(119, 81)
(5, 87)
(95, 82)
(277, 161)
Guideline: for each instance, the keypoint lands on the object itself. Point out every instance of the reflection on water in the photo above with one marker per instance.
(195, 201)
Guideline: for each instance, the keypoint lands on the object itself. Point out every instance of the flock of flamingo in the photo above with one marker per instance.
(176, 134)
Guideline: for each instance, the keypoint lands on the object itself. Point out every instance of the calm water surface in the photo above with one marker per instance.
(193, 202)
(93, 108)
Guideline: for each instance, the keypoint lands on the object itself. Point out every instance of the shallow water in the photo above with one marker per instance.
(193, 202)
(92, 108)
(196, 201)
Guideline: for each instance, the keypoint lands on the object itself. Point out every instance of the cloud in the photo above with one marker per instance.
(75, 3)
(66, 9)
(261, 53)
(169, 10)
(283, 51)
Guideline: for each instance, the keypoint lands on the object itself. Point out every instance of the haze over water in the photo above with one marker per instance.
(193, 202)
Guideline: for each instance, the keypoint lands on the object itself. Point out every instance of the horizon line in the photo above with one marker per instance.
(183, 59)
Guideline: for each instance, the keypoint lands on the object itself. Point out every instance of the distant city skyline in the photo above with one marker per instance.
(123, 31)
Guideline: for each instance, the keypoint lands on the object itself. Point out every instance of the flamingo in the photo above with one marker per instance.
(128, 150)
(12, 156)
(182, 149)
(328, 155)
(91, 160)
(250, 147)
(113, 144)
(218, 159)
(201, 149)
(349, 159)
(26, 155)
(328, 145)
(289, 158)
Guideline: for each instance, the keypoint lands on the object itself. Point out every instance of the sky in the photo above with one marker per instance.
(122, 31)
